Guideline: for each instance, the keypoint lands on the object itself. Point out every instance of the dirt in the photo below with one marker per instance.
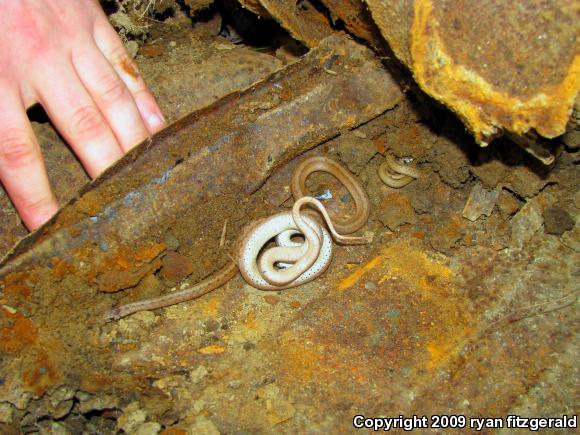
(438, 315)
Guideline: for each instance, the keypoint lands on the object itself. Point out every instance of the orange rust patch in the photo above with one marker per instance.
(21, 333)
(16, 277)
(295, 304)
(251, 320)
(302, 361)
(418, 235)
(90, 203)
(14, 285)
(380, 145)
(96, 381)
(148, 253)
(127, 258)
(150, 51)
(354, 277)
(444, 320)
(210, 305)
(212, 349)
(412, 265)
(61, 268)
(444, 349)
(127, 65)
(42, 375)
(17, 290)
(271, 299)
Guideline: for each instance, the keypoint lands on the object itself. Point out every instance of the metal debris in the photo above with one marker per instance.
(480, 202)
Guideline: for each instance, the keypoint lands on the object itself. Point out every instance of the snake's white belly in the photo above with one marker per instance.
(259, 236)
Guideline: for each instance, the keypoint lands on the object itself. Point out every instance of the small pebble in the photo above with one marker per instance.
(234, 384)
(557, 220)
(198, 374)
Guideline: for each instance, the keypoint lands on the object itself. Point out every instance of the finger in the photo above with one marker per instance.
(78, 119)
(111, 96)
(22, 169)
(111, 46)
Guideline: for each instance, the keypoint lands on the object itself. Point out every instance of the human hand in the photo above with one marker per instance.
(66, 56)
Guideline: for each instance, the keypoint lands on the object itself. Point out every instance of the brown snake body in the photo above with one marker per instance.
(395, 174)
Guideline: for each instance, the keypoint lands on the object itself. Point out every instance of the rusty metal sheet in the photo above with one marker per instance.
(256, 7)
(500, 65)
(194, 75)
(214, 156)
(356, 18)
(302, 20)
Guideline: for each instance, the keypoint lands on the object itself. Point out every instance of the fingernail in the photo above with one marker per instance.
(156, 121)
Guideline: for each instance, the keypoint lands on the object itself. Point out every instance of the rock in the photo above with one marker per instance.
(557, 220)
(198, 374)
(56, 428)
(203, 426)
(62, 409)
(137, 326)
(498, 231)
(480, 202)
(114, 280)
(171, 241)
(576, 199)
(525, 224)
(97, 403)
(149, 428)
(234, 384)
(490, 172)
(271, 299)
(132, 48)
(445, 235)
(509, 167)
(60, 402)
(197, 5)
(450, 162)
(355, 151)
(168, 383)
(133, 416)
(507, 203)
(572, 239)
(175, 267)
(6, 412)
(268, 391)
(278, 409)
(572, 138)
(525, 182)
(396, 210)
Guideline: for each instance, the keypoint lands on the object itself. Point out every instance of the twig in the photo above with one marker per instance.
(223, 236)
(531, 310)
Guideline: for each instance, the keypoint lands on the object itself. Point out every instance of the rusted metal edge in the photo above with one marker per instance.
(230, 146)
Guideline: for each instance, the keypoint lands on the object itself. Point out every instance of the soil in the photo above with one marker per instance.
(438, 315)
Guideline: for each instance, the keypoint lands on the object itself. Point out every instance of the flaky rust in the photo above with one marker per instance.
(301, 19)
(356, 18)
(256, 7)
(483, 107)
(498, 66)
